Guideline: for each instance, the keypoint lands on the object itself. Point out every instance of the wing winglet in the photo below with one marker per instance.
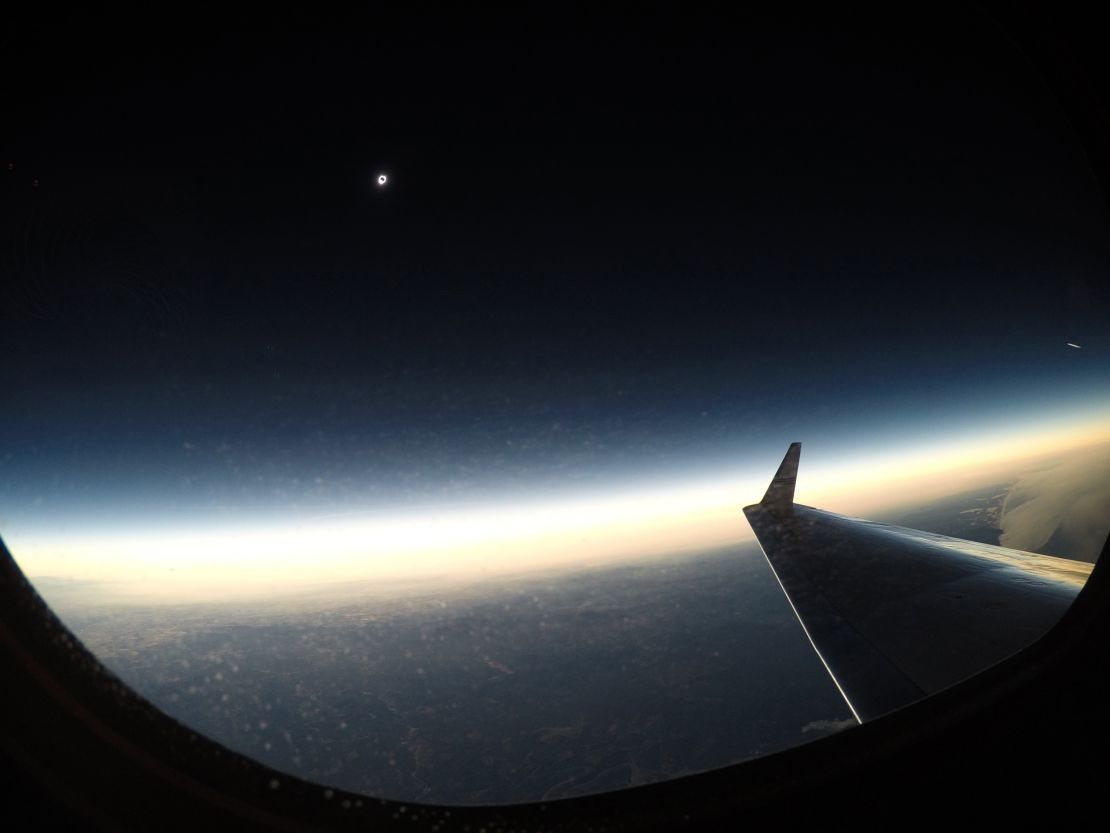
(779, 498)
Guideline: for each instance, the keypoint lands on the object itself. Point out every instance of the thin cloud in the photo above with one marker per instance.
(829, 726)
(1062, 509)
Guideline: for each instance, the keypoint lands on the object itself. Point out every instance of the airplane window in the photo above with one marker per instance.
(385, 407)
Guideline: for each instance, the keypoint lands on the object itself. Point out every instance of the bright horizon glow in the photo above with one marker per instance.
(942, 468)
(691, 514)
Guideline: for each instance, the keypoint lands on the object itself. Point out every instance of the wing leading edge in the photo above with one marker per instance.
(896, 614)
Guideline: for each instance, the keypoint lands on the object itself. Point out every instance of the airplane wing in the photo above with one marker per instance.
(896, 614)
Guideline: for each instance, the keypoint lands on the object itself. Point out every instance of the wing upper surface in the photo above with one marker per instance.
(896, 613)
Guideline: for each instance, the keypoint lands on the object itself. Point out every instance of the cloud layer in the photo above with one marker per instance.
(1061, 508)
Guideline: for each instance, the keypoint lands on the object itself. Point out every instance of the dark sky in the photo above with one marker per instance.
(611, 250)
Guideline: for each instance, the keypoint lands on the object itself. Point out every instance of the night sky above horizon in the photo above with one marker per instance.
(598, 260)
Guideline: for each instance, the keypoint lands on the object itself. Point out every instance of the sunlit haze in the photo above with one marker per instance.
(202, 558)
